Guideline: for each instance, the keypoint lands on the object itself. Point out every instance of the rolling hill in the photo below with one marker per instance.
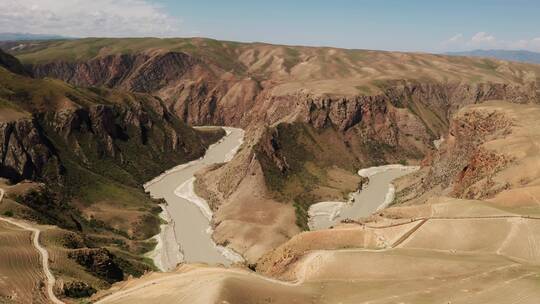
(28, 36)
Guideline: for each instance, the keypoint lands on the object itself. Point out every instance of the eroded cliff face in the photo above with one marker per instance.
(399, 125)
(25, 151)
(200, 92)
(36, 148)
(144, 72)
(432, 103)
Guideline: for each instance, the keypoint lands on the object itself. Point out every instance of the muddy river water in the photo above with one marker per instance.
(187, 234)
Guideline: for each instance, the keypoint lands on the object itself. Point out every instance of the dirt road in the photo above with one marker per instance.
(42, 252)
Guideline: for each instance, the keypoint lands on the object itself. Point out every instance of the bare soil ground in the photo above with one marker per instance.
(252, 221)
(445, 258)
(249, 220)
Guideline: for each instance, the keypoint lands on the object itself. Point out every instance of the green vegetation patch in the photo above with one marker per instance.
(296, 158)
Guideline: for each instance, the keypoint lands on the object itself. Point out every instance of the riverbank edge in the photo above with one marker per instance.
(187, 192)
(333, 209)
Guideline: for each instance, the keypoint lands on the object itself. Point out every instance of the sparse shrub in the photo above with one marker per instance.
(78, 290)
(301, 207)
(301, 211)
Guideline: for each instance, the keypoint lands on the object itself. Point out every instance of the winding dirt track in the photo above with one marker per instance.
(42, 252)
(423, 220)
(124, 293)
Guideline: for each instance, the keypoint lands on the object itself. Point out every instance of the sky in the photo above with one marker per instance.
(403, 25)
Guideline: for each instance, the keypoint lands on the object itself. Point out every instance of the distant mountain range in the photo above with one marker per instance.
(28, 36)
(512, 55)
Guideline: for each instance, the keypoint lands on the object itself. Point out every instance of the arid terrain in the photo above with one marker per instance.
(107, 115)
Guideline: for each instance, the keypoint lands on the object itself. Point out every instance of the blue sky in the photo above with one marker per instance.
(391, 24)
(413, 25)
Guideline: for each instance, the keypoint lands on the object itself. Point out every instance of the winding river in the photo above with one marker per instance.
(187, 234)
(376, 195)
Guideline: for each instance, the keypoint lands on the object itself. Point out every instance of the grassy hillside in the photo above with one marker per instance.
(314, 165)
(304, 165)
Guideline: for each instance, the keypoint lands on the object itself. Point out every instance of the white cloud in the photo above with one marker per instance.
(452, 41)
(483, 40)
(83, 18)
(482, 37)
(456, 38)
(532, 44)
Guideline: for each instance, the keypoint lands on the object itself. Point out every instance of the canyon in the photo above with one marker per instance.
(312, 118)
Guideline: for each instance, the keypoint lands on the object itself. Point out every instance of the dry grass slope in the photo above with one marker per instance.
(296, 68)
(21, 276)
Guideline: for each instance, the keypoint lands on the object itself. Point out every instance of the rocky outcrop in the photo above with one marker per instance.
(433, 103)
(25, 151)
(462, 160)
(78, 289)
(482, 164)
